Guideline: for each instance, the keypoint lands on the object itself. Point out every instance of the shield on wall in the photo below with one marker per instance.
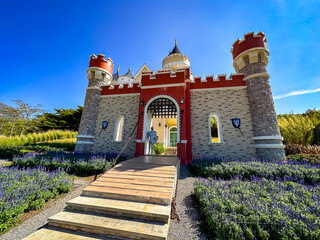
(105, 124)
(236, 122)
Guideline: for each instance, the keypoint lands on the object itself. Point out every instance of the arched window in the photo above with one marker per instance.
(215, 135)
(118, 129)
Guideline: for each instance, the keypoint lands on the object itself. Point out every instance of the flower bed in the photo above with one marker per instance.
(80, 164)
(305, 158)
(27, 189)
(291, 171)
(259, 209)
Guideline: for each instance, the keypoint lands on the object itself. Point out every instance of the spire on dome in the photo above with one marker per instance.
(175, 49)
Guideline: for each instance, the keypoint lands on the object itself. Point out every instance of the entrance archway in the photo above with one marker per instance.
(159, 106)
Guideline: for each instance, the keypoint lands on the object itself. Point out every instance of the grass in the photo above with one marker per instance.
(34, 138)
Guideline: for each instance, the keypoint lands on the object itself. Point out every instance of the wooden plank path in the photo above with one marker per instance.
(131, 201)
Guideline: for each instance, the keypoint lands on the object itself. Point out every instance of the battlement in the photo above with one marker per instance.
(100, 62)
(121, 89)
(250, 40)
(164, 76)
(234, 80)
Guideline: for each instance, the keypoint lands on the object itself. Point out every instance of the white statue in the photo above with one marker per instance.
(152, 138)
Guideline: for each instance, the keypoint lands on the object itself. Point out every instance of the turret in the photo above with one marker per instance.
(99, 74)
(250, 57)
(175, 59)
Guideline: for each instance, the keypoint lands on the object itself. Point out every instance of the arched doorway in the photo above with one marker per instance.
(173, 136)
(161, 106)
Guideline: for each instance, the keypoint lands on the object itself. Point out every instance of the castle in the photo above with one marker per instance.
(232, 117)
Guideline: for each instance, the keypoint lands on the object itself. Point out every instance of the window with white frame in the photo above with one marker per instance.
(119, 129)
(214, 128)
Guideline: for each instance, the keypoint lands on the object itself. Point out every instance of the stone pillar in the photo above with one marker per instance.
(250, 57)
(99, 73)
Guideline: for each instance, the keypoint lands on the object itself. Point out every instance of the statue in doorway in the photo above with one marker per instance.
(152, 138)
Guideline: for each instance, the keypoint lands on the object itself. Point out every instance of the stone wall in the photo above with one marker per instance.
(110, 109)
(228, 104)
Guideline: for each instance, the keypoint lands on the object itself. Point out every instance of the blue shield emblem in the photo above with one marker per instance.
(105, 124)
(236, 122)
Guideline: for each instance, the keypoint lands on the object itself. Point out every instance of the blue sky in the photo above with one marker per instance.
(45, 45)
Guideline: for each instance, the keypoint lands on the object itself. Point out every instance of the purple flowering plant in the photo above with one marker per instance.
(81, 164)
(259, 208)
(27, 189)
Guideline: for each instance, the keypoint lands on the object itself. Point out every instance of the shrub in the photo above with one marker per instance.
(296, 148)
(259, 209)
(27, 189)
(159, 148)
(10, 151)
(305, 158)
(289, 171)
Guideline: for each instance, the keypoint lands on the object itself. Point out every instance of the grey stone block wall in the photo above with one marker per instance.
(263, 114)
(228, 103)
(89, 115)
(110, 109)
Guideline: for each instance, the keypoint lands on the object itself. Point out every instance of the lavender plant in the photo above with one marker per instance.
(287, 170)
(27, 189)
(81, 164)
(259, 208)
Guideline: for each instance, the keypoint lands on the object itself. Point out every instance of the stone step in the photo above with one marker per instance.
(53, 233)
(132, 186)
(144, 178)
(128, 194)
(98, 224)
(133, 181)
(136, 210)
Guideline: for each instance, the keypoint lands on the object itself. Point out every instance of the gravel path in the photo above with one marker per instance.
(32, 224)
(188, 227)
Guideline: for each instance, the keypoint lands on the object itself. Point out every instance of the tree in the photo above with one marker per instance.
(21, 114)
(26, 112)
(63, 119)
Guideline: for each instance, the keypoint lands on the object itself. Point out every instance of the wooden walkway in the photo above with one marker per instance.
(132, 200)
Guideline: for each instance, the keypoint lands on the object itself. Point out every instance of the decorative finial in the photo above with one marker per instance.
(175, 42)
(118, 68)
(169, 52)
(129, 69)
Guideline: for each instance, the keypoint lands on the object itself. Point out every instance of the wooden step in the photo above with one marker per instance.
(143, 174)
(143, 211)
(133, 181)
(128, 194)
(148, 178)
(133, 170)
(93, 223)
(132, 186)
